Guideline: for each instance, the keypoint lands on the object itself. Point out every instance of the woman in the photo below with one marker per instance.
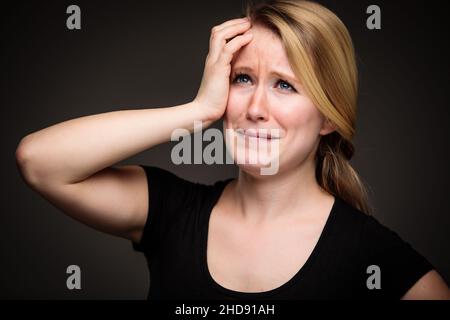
(300, 233)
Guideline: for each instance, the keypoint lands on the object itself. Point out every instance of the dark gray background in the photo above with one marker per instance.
(142, 54)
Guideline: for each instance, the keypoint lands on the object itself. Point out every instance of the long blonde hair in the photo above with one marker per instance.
(321, 54)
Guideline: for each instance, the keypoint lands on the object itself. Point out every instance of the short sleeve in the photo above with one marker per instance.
(170, 197)
(400, 265)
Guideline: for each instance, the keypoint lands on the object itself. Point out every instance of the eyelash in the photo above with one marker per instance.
(239, 74)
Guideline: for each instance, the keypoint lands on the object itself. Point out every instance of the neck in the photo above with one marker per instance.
(292, 192)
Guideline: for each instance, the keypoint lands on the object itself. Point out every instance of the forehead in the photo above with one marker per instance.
(264, 50)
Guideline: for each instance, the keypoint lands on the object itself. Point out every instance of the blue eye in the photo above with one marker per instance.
(240, 76)
(288, 85)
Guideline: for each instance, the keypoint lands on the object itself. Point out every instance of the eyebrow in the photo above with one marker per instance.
(278, 73)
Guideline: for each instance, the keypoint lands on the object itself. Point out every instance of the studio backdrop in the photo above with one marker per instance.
(120, 55)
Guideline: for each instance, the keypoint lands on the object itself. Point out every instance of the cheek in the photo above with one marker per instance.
(236, 102)
(300, 114)
(302, 122)
(235, 106)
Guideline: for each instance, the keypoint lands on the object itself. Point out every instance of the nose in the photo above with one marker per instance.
(257, 109)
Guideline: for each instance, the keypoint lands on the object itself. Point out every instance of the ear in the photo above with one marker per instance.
(327, 127)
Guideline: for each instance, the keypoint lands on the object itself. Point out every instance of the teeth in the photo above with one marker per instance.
(263, 134)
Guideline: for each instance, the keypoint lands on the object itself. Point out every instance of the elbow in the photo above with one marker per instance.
(26, 161)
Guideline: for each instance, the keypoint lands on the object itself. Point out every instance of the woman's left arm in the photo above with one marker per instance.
(430, 287)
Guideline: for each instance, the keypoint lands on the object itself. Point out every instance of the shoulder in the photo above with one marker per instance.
(175, 204)
(374, 236)
(162, 183)
(400, 264)
(347, 222)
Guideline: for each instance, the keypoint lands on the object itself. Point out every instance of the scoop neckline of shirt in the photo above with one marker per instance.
(220, 186)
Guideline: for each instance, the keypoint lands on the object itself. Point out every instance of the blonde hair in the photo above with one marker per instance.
(321, 54)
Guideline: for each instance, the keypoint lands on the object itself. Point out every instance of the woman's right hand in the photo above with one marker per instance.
(212, 97)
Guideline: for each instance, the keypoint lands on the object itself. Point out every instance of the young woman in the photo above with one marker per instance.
(301, 233)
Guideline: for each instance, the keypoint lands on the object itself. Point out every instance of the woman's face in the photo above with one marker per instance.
(265, 94)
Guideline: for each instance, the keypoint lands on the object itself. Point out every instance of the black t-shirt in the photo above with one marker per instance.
(175, 235)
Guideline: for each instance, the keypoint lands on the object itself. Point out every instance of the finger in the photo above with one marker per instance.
(219, 39)
(229, 23)
(232, 47)
(233, 30)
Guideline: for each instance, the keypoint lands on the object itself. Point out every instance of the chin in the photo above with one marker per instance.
(264, 165)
